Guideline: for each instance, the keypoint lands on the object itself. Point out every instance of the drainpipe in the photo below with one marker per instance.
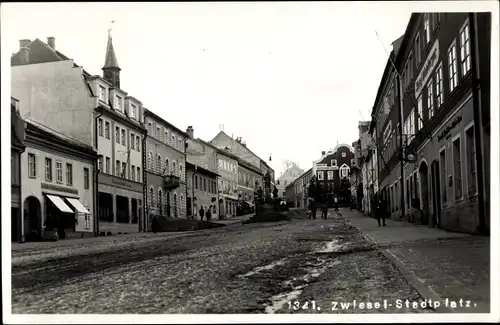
(145, 217)
(401, 142)
(192, 189)
(478, 129)
(96, 185)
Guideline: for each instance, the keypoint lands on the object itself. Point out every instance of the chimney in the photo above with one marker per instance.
(52, 42)
(24, 54)
(190, 132)
(24, 43)
(323, 153)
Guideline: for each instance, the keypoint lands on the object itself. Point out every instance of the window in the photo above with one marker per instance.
(132, 173)
(124, 170)
(173, 140)
(465, 49)
(48, 169)
(119, 103)
(99, 163)
(320, 175)
(330, 175)
(452, 66)
(117, 168)
(133, 111)
(471, 161)
(344, 172)
(174, 169)
(420, 123)
(158, 164)
(417, 50)
(157, 132)
(137, 143)
(138, 174)
(457, 168)
(102, 93)
(150, 161)
(410, 67)
(353, 162)
(87, 221)
(32, 165)
(334, 162)
(151, 197)
(123, 137)
(430, 100)
(108, 165)
(69, 174)
(427, 28)
(99, 127)
(106, 129)
(180, 172)
(439, 86)
(180, 144)
(86, 181)
(117, 134)
(167, 167)
(132, 141)
(444, 177)
(204, 185)
(344, 155)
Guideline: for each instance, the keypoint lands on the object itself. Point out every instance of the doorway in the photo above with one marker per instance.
(32, 218)
(424, 190)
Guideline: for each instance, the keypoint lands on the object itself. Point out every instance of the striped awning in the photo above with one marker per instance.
(78, 206)
(59, 203)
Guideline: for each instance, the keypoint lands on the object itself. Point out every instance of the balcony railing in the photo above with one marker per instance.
(171, 182)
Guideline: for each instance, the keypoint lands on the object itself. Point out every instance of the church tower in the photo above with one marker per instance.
(111, 70)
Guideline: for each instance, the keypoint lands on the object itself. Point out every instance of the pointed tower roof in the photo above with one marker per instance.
(111, 61)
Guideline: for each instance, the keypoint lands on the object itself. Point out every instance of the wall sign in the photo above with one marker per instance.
(58, 188)
(446, 132)
(427, 68)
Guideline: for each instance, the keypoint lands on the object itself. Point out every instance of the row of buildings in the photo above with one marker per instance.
(90, 158)
(427, 147)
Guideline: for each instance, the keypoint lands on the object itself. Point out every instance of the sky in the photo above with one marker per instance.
(291, 78)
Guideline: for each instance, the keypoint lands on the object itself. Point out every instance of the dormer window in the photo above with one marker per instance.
(344, 155)
(133, 111)
(118, 103)
(334, 162)
(102, 93)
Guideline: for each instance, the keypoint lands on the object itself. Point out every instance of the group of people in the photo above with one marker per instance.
(313, 207)
(205, 214)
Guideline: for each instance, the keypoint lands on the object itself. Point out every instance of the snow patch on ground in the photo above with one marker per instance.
(330, 247)
(264, 268)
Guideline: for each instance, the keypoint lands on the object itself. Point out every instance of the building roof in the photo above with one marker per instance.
(157, 117)
(110, 61)
(204, 170)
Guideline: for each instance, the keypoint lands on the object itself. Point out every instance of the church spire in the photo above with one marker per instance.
(111, 69)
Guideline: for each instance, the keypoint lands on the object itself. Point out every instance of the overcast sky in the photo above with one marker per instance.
(290, 78)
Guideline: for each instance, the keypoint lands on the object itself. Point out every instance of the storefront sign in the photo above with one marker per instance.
(120, 183)
(58, 188)
(427, 68)
(445, 133)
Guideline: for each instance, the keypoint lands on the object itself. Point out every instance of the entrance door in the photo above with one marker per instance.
(15, 233)
(436, 193)
(424, 190)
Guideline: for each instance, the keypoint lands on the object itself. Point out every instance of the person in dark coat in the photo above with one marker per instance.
(324, 211)
(208, 214)
(202, 213)
(381, 211)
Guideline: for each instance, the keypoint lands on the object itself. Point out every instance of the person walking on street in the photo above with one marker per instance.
(313, 208)
(208, 215)
(381, 211)
(202, 213)
(324, 211)
(336, 201)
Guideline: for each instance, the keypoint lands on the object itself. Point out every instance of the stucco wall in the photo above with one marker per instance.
(56, 95)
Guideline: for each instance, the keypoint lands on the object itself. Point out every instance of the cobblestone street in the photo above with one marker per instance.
(298, 266)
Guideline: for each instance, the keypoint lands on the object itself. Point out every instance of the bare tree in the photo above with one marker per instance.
(287, 164)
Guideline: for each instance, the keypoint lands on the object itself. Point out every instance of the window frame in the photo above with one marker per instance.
(453, 140)
(430, 99)
(69, 174)
(100, 127)
(124, 137)
(86, 178)
(468, 58)
(473, 154)
(107, 126)
(117, 134)
(59, 172)
(48, 169)
(452, 64)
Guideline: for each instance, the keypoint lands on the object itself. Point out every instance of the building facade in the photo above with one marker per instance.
(287, 178)
(248, 179)
(298, 195)
(165, 175)
(332, 171)
(17, 147)
(227, 183)
(201, 176)
(58, 182)
(92, 110)
(446, 120)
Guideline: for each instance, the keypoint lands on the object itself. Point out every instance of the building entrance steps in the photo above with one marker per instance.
(439, 264)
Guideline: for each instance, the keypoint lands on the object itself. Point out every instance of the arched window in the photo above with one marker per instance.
(150, 160)
(158, 164)
(176, 212)
(174, 169)
(160, 200)
(165, 205)
(151, 198)
(167, 167)
(180, 171)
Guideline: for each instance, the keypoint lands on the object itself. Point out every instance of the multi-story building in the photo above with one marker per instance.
(356, 178)
(201, 176)
(332, 172)
(93, 110)
(298, 197)
(446, 121)
(287, 178)
(17, 147)
(248, 179)
(58, 182)
(165, 176)
(368, 164)
(227, 183)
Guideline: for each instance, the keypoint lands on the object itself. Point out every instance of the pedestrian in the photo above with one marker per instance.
(208, 215)
(324, 211)
(381, 211)
(336, 200)
(202, 213)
